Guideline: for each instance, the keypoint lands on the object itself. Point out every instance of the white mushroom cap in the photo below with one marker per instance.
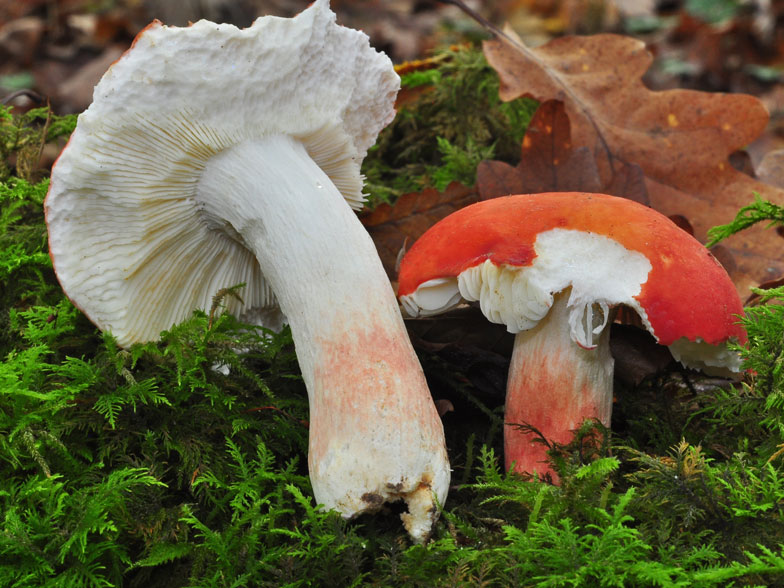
(128, 238)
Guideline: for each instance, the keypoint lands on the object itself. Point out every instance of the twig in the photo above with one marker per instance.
(476, 16)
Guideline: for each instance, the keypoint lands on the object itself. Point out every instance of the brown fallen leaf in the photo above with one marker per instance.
(549, 163)
(682, 139)
(392, 227)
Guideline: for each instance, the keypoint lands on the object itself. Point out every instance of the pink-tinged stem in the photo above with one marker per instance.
(554, 385)
(375, 435)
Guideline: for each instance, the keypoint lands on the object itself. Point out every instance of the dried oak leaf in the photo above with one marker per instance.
(547, 161)
(682, 139)
(550, 163)
(393, 227)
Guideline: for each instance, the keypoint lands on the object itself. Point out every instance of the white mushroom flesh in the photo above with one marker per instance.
(600, 272)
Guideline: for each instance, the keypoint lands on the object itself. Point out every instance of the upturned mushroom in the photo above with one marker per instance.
(213, 156)
(551, 267)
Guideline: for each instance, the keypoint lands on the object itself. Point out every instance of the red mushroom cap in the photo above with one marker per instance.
(687, 294)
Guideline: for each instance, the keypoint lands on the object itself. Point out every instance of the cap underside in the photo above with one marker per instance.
(598, 272)
(126, 236)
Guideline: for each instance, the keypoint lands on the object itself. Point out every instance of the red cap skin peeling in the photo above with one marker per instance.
(551, 267)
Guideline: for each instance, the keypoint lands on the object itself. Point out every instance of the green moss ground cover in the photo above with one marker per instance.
(148, 467)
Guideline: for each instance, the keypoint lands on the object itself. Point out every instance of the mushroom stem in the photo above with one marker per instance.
(375, 435)
(554, 385)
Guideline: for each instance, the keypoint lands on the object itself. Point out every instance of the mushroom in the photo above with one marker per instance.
(213, 156)
(551, 267)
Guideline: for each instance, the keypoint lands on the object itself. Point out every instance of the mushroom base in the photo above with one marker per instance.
(554, 386)
(373, 438)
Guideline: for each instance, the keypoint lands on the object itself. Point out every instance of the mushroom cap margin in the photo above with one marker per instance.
(687, 294)
(122, 190)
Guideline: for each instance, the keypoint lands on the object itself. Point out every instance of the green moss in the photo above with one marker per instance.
(24, 136)
(150, 467)
(453, 122)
